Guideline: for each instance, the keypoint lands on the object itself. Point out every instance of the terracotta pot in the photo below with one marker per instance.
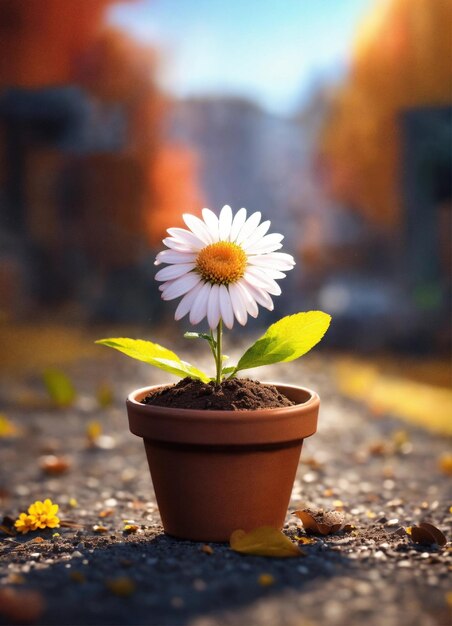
(217, 471)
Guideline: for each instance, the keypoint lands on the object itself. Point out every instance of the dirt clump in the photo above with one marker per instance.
(236, 394)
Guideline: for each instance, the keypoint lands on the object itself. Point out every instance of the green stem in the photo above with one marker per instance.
(219, 356)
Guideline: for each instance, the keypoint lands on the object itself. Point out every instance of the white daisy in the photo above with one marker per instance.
(222, 266)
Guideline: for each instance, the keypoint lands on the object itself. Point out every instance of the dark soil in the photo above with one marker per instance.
(237, 394)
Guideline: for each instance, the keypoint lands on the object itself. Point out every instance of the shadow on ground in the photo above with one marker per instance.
(168, 581)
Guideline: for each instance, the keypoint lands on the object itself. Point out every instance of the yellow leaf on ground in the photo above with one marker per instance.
(59, 387)
(7, 428)
(264, 541)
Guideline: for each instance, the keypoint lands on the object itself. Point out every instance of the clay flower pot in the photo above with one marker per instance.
(217, 471)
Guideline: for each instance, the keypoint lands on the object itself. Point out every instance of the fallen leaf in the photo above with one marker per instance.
(445, 464)
(106, 513)
(207, 549)
(7, 428)
(320, 522)
(266, 580)
(38, 540)
(21, 606)
(54, 465)
(121, 586)
(427, 535)
(93, 432)
(97, 528)
(68, 523)
(104, 395)
(264, 541)
(59, 387)
(130, 528)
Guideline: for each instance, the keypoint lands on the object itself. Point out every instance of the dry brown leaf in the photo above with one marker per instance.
(21, 606)
(68, 523)
(264, 541)
(54, 465)
(106, 513)
(320, 522)
(427, 535)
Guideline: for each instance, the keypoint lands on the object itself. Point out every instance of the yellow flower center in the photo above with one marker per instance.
(221, 263)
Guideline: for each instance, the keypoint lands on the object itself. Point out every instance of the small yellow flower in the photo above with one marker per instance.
(25, 523)
(40, 515)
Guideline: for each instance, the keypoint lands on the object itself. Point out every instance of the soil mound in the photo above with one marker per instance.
(237, 394)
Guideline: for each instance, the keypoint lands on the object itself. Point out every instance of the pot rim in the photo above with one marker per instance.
(225, 415)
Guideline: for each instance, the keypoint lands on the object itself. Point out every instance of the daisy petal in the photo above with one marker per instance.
(185, 304)
(187, 237)
(173, 256)
(198, 227)
(199, 306)
(238, 304)
(276, 261)
(227, 314)
(258, 277)
(178, 246)
(257, 235)
(247, 298)
(174, 271)
(237, 224)
(260, 295)
(267, 243)
(225, 223)
(181, 286)
(249, 226)
(213, 307)
(211, 221)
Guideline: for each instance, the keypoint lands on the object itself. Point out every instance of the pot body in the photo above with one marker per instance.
(217, 471)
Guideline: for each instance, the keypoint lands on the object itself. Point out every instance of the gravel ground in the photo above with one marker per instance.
(384, 476)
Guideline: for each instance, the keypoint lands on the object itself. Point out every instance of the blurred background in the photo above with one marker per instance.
(334, 119)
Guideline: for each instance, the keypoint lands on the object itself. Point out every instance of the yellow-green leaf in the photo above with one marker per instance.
(264, 541)
(286, 340)
(59, 387)
(155, 355)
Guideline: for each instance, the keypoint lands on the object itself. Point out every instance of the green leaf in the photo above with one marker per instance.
(226, 371)
(286, 340)
(156, 355)
(59, 387)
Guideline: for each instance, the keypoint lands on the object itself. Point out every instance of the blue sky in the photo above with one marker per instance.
(273, 51)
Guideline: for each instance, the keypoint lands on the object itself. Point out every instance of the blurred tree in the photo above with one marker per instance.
(402, 60)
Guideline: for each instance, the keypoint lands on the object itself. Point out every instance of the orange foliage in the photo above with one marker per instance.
(173, 177)
(129, 194)
(402, 59)
(40, 41)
